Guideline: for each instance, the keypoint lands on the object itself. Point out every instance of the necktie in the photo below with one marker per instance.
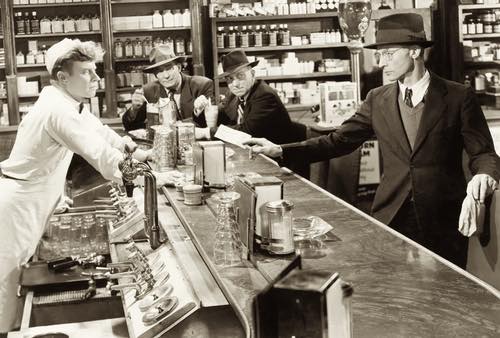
(80, 108)
(408, 94)
(241, 107)
(175, 108)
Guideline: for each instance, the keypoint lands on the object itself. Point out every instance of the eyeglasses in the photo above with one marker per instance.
(386, 54)
(240, 76)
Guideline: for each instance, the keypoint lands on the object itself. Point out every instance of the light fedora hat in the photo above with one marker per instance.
(234, 61)
(162, 55)
(400, 29)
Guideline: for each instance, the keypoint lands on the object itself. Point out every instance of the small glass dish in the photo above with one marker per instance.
(311, 247)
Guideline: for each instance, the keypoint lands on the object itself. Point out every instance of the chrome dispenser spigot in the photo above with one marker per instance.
(130, 169)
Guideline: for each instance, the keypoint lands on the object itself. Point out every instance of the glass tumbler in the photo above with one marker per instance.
(227, 247)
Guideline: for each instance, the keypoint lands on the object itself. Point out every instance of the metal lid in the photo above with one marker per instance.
(279, 206)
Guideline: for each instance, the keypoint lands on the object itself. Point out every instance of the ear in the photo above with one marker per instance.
(416, 52)
(62, 76)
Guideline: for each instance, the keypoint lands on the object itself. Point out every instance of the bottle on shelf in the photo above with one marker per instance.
(226, 39)
(20, 23)
(45, 26)
(138, 48)
(273, 41)
(258, 37)
(244, 43)
(285, 41)
(69, 25)
(129, 49)
(279, 34)
(178, 18)
(265, 36)
(186, 18)
(251, 36)
(118, 49)
(27, 23)
(168, 18)
(232, 38)
(83, 24)
(34, 23)
(95, 23)
(180, 48)
(157, 19)
(40, 56)
(220, 37)
(189, 47)
(20, 58)
(57, 25)
(147, 47)
(170, 43)
(30, 58)
(238, 36)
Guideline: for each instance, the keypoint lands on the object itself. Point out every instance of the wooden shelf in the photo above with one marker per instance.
(124, 60)
(300, 76)
(6, 129)
(91, 3)
(470, 7)
(152, 30)
(28, 36)
(277, 17)
(494, 63)
(118, 2)
(481, 36)
(36, 65)
(278, 48)
(297, 107)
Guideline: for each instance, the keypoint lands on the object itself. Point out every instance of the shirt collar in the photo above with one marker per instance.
(71, 100)
(419, 89)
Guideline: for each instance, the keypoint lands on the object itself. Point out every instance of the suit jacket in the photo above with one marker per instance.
(264, 115)
(191, 88)
(451, 122)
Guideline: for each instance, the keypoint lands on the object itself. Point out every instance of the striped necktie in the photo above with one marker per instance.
(241, 110)
(174, 105)
(408, 94)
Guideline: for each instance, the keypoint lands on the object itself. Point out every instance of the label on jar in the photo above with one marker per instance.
(281, 238)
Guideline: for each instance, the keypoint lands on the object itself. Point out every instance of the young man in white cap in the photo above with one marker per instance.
(32, 178)
(189, 93)
(423, 124)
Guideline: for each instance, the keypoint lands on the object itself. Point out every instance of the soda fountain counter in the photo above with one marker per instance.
(400, 288)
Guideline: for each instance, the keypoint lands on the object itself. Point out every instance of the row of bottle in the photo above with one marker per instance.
(293, 8)
(177, 18)
(36, 2)
(30, 24)
(142, 48)
(33, 57)
(247, 37)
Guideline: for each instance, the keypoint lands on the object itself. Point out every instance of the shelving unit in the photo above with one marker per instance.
(66, 4)
(471, 68)
(299, 25)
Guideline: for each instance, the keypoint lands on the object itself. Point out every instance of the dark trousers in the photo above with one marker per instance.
(449, 244)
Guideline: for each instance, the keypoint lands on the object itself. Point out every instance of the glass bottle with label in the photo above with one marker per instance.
(30, 58)
(179, 46)
(286, 35)
(20, 58)
(244, 37)
(27, 23)
(147, 47)
(168, 18)
(69, 25)
(251, 36)
(57, 25)
(265, 36)
(258, 37)
(129, 49)
(118, 49)
(189, 47)
(20, 23)
(238, 36)
(45, 26)
(471, 25)
(170, 43)
(231, 38)
(220, 37)
(177, 18)
(95, 23)
(83, 24)
(137, 48)
(35, 23)
(273, 41)
(157, 19)
(186, 18)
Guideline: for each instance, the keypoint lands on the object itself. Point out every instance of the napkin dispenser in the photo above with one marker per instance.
(209, 159)
(299, 303)
(255, 192)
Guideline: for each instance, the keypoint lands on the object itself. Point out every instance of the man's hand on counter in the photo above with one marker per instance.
(264, 146)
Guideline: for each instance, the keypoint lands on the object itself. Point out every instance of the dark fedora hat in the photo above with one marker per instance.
(234, 61)
(400, 29)
(162, 55)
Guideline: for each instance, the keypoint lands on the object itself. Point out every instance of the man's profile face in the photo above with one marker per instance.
(82, 81)
(240, 82)
(169, 76)
(396, 61)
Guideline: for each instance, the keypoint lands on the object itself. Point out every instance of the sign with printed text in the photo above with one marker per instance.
(369, 164)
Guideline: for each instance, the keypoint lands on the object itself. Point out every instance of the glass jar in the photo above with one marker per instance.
(227, 246)
(488, 28)
(146, 47)
(57, 25)
(479, 26)
(180, 48)
(471, 25)
(496, 27)
(138, 48)
(164, 148)
(45, 26)
(95, 23)
(280, 227)
(129, 49)
(69, 25)
(118, 49)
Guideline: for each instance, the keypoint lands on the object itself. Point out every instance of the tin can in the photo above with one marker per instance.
(279, 224)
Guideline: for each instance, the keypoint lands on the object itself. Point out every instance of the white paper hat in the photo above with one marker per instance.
(58, 50)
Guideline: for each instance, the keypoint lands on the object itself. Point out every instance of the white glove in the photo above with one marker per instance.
(200, 103)
(471, 217)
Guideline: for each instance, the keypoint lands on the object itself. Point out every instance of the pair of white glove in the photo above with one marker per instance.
(472, 215)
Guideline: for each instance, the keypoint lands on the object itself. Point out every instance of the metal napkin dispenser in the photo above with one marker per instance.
(255, 192)
(299, 303)
(209, 159)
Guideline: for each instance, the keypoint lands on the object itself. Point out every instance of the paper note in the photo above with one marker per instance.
(232, 136)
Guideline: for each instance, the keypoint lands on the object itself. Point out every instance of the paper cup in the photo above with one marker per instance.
(211, 114)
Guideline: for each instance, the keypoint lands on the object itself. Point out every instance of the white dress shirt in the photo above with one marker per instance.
(53, 130)
(419, 89)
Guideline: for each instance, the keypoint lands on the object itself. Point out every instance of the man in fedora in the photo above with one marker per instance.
(423, 123)
(190, 93)
(252, 106)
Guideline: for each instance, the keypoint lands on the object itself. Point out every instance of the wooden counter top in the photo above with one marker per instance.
(400, 288)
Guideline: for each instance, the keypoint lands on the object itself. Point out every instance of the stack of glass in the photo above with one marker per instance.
(164, 148)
